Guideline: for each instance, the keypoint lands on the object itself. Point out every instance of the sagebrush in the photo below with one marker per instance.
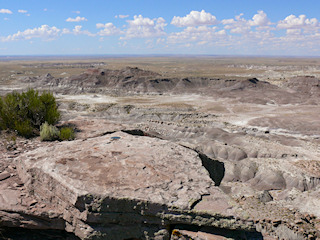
(49, 132)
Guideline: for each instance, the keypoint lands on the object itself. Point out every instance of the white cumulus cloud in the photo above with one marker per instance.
(237, 25)
(200, 34)
(7, 11)
(77, 19)
(260, 19)
(45, 32)
(108, 29)
(293, 22)
(141, 27)
(195, 18)
(22, 11)
(78, 31)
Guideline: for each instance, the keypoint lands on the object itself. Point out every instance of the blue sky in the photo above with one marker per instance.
(215, 27)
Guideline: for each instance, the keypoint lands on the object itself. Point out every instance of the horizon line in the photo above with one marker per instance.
(11, 57)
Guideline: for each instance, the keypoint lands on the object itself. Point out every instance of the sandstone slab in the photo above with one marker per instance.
(124, 183)
(120, 165)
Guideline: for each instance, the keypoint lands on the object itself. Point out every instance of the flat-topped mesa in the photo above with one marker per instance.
(124, 185)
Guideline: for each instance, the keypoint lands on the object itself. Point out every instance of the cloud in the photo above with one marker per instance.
(7, 11)
(22, 11)
(77, 12)
(293, 32)
(237, 25)
(195, 18)
(108, 29)
(200, 34)
(77, 19)
(237, 33)
(121, 16)
(78, 31)
(240, 25)
(260, 19)
(141, 27)
(293, 22)
(45, 32)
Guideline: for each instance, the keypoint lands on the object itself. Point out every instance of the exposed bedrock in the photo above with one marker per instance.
(240, 150)
(127, 186)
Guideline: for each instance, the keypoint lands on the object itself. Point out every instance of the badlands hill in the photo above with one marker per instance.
(134, 80)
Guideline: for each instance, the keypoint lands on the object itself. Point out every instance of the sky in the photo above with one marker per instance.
(199, 27)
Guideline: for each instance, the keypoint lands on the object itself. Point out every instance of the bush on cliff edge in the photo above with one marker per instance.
(25, 112)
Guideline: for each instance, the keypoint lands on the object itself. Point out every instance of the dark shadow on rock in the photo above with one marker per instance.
(214, 167)
(35, 234)
(135, 132)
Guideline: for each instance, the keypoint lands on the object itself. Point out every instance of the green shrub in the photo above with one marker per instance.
(24, 128)
(51, 113)
(48, 132)
(26, 112)
(66, 134)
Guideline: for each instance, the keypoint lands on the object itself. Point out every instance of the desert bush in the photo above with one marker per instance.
(24, 128)
(48, 132)
(26, 112)
(66, 134)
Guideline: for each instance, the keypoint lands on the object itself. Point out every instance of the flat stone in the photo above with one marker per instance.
(191, 235)
(134, 167)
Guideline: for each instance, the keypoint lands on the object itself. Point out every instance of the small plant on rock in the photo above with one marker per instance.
(66, 134)
(49, 132)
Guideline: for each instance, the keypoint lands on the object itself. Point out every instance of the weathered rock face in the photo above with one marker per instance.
(120, 165)
(124, 186)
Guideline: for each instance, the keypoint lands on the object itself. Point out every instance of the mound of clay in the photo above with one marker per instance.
(307, 84)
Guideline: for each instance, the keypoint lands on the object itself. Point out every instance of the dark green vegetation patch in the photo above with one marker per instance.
(25, 112)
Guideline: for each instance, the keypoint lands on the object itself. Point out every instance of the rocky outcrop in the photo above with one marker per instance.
(124, 186)
(116, 182)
